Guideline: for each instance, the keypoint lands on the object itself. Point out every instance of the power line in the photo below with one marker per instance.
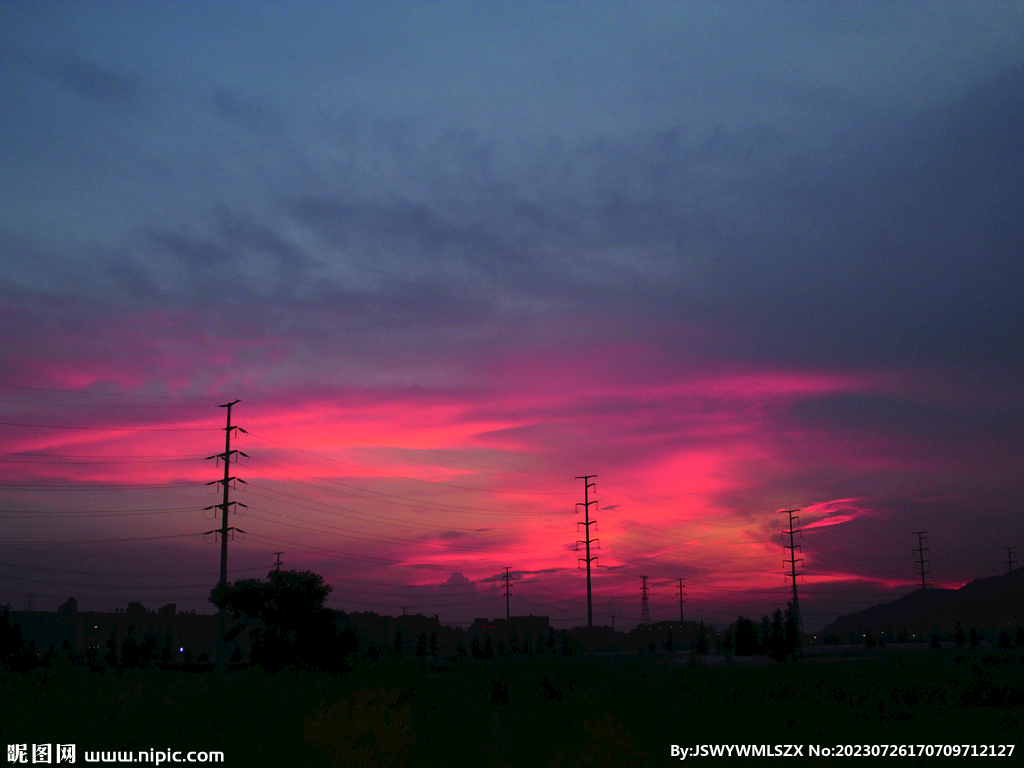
(404, 477)
(109, 429)
(206, 401)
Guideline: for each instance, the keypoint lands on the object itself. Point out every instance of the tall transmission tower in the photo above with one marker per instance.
(1013, 591)
(681, 601)
(225, 530)
(793, 560)
(277, 565)
(645, 607)
(921, 549)
(587, 485)
(508, 591)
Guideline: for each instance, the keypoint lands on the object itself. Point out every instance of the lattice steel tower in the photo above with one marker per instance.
(645, 607)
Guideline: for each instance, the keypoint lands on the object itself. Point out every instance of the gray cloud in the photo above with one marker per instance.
(104, 86)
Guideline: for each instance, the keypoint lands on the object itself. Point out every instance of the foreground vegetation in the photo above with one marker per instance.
(522, 711)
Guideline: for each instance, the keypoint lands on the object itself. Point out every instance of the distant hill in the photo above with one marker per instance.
(983, 603)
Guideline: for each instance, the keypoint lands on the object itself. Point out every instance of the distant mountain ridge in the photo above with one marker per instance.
(986, 603)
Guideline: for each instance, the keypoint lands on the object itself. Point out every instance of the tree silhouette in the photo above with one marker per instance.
(421, 646)
(746, 637)
(433, 644)
(474, 648)
(959, 638)
(13, 650)
(488, 650)
(398, 641)
(702, 639)
(286, 619)
(974, 638)
(793, 631)
(165, 652)
(131, 652)
(764, 639)
(147, 651)
(777, 641)
(668, 642)
(513, 641)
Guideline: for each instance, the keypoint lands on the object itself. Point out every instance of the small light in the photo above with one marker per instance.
(181, 650)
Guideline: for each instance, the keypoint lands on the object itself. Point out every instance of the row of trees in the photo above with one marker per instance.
(779, 637)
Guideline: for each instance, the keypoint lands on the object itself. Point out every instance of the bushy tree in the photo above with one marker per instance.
(974, 638)
(111, 655)
(421, 646)
(792, 631)
(959, 638)
(286, 619)
(131, 651)
(765, 636)
(702, 639)
(746, 637)
(147, 651)
(14, 654)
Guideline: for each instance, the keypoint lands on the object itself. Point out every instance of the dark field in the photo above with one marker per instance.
(524, 711)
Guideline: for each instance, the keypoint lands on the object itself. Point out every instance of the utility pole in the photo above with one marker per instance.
(921, 549)
(793, 560)
(645, 608)
(405, 609)
(277, 565)
(508, 588)
(681, 601)
(1013, 592)
(224, 507)
(587, 485)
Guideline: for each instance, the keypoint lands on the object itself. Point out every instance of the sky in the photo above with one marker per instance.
(731, 258)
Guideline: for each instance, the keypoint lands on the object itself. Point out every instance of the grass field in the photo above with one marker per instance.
(523, 711)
